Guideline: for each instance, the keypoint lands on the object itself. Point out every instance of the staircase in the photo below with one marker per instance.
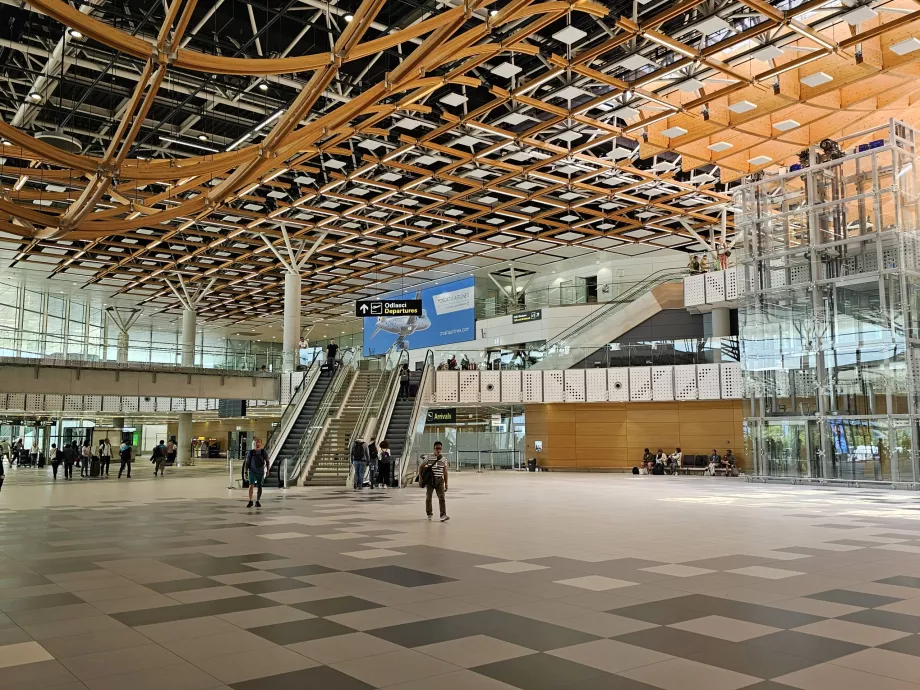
(331, 463)
(402, 417)
(298, 429)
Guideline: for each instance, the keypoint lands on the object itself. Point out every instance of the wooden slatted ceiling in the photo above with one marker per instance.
(404, 185)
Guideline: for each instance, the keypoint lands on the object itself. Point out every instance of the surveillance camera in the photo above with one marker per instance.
(490, 387)
(618, 385)
(146, 399)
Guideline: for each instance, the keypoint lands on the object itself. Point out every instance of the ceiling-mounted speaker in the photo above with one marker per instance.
(61, 140)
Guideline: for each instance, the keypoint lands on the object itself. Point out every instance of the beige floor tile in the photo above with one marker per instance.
(458, 680)
(729, 629)
(610, 655)
(23, 653)
(857, 633)
(882, 662)
(834, 677)
(266, 616)
(394, 667)
(476, 650)
(185, 629)
(194, 649)
(375, 618)
(236, 668)
(682, 674)
(605, 624)
(331, 650)
(113, 662)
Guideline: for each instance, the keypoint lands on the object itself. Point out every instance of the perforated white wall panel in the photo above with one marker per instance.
(731, 284)
(54, 403)
(532, 386)
(147, 404)
(640, 383)
(92, 402)
(694, 290)
(35, 402)
(663, 383)
(178, 404)
(285, 389)
(111, 403)
(128, 403)
(490, 386)
(715, 286)
(685, 382)
(202, 404)
(511, 386)
(575, 385)
(469, 386)
(164, 404)
(553, 386)
(707, 379)
(3, 399)
(72, 403)
(618, 385)
(731, 380)
(447, 386)
(595, 385)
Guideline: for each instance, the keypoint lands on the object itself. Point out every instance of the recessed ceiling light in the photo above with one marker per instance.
(767, 53)
(720, 146)
(786, 125)
(672, 132)
(349, 17)
(741, 107)
(859, 15)
(506, 70)
(816, 79)
(35, 96)
(759, 160)
(906, 46)
(453, 99)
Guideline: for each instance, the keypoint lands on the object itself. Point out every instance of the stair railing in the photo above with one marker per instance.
(305, 449)
(292, 411)
(375, 406)
(419, 410)
(628, 296)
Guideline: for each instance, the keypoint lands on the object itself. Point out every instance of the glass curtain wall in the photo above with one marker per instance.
(830, 311)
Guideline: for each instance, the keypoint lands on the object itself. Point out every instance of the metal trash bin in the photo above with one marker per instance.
(532, 465)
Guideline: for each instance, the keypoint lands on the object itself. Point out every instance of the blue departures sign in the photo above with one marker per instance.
(448, 316)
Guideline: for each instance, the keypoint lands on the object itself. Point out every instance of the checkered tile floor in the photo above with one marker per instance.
(538, 582)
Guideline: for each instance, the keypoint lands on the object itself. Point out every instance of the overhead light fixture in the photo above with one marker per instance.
(349, 17)
(6, 142)
(493, 13)
(203, 137)
(741, 107)
(263, 86)
(73, 33)
(720, 146)
(767, 53)
(860, 15)
(673, 132)
(191, 144)
(759, 160)
(816, 79)
(906, 46)
(34, 96)
(786, 125)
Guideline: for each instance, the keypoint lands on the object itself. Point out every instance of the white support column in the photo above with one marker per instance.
(184, 439)
(291, 338)
(721, 328)
(123, 318)
(189, 319)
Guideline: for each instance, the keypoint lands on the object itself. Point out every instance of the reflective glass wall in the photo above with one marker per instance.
(829, 311)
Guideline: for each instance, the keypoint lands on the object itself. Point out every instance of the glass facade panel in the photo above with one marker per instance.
(830, 313)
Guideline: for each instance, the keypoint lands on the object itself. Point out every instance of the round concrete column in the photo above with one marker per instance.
(291, 338)
(721, 328)
(189, 319)
(184, 439)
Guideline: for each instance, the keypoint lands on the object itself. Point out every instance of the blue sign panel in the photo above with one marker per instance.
(448, 316)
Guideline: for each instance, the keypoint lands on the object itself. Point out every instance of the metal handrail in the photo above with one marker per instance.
(320, 418)
(427, 370)
(292, 411)
(374, 401)
(653, 281)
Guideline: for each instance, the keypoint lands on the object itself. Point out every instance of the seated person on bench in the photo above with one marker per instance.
(660, 459)
(715, 460)
(674, 461)
(729, 462)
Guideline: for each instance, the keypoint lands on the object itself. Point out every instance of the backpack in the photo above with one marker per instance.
(256, 460)
(357, 452)
(635, 470)
(659, 469)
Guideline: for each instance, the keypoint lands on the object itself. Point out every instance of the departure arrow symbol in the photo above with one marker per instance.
(363, 308)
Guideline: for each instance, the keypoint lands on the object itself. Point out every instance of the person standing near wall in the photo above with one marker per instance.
(385, 464)
(105, 457)
(70, 457)
(86, 458)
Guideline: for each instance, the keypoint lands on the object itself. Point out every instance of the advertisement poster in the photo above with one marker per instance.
(448, 316)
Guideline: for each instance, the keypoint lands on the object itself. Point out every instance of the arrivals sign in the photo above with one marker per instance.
(402, 307)
(525, 316)
(445, 416)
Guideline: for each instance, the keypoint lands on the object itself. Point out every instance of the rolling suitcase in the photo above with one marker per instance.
(94, 467)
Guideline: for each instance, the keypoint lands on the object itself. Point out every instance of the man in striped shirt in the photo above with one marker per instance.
(436, 471)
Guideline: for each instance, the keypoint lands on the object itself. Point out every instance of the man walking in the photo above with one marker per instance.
(70, 457)
(359, 460)
(159, 459)
(332, 350)
(124, 452)
(257, 464)
(433, 476)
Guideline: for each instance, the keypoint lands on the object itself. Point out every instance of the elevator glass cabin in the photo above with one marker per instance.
(829, 314)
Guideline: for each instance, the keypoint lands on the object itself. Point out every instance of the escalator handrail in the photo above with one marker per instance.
(318, 423)
(427, 368)
(630, 295)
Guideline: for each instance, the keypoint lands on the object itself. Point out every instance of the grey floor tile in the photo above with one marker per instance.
(188, 584)
(301, 570)
(525, 632)
(183, 676)
(610, 682)
(673, 641)
(540, 672)
(336, 606)
(38, 676)
(404, 577)
(742, 610)
(906, 645)
(112, 662)
(320, 677)
(89, 643)
(41, 602)
(844, 596)
(197, 610)
(810, 646)
(885, 619)
(271, 661)
(753, 661)
(902, 581)
(659, 613)
(422, 633)
(269, 586)
(301, 631)
(392, 668)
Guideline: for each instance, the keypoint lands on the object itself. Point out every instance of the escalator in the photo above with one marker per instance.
(401, 416)
(661, 290)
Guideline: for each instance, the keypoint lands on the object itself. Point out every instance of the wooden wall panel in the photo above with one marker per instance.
(613, 435)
